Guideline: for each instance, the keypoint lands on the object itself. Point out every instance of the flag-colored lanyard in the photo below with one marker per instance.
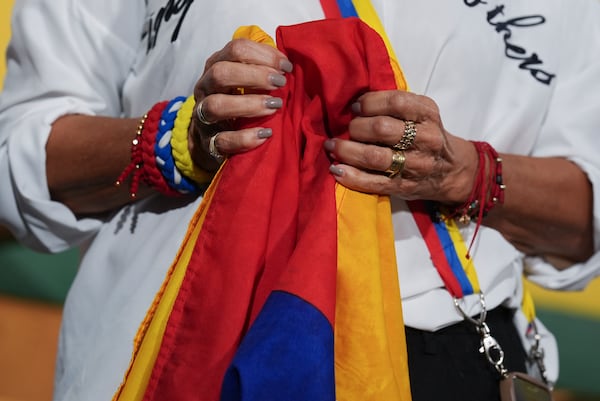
(444, 241)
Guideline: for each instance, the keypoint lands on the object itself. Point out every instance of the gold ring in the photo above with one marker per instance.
(200, 114)
(212, 148)
(408, 138)
(398, 160)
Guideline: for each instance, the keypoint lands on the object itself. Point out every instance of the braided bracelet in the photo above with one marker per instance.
(152, 174)
(163, 151)
(179, 144)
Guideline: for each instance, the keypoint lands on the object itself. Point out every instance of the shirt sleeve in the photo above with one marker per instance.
(64, 57)
(572, 130)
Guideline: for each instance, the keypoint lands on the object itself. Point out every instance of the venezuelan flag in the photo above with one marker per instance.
(286, 285)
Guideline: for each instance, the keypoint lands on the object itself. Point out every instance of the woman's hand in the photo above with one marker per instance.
(242, 66)
(547, 208)
(437, 166)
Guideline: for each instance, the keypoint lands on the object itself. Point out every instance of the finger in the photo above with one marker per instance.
(425, 137)
(359, 155)
(399, 104)
(233, 142)
(360, 180)
(418, 165)
(219, 107)
(377, 130)
(226, 76)
(250, 52)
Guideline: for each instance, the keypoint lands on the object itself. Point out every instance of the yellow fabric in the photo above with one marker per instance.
(371, 359)
(5, 12)
(254, 33)
(148, 339)
(370, 346)
(527, 305)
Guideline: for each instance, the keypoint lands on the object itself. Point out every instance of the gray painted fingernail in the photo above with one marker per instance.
(277, 79)
(273, 103)
(335, 170)
(356, 108)
(264, 133)
(286, 66)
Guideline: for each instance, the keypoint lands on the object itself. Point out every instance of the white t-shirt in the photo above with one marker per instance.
(520, 75)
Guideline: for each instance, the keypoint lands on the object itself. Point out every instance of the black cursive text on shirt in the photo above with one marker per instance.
(154, 23)
(530, 61)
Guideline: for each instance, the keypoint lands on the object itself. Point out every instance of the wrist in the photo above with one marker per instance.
(458, 186)
(487, 186)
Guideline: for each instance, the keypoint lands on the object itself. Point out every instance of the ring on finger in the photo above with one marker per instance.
(397, 165)
(200, 114)
(212, 148)
(408, 137)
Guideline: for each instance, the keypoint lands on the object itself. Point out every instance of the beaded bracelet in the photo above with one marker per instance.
(142, 166)
(136, 161)
(179, 144)
(163, 151)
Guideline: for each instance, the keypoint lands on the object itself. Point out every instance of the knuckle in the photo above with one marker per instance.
(246, 140)
(219, 73)
(396, 100)
(240, 49)
(373, 156)
(382, 126)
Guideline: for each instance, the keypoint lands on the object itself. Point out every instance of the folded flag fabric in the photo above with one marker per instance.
(285, 287)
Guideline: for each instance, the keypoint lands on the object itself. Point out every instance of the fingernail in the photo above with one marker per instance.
(329, 145)
(277, 79)
(286, 65)
(273, 103)
(356, 109)
(264, 133)
(335, 170)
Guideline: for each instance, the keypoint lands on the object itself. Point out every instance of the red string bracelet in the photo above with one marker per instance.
(488, 189)
(145, 133)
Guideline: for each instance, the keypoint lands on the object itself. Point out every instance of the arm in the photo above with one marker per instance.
(548, 209)
(82, 169)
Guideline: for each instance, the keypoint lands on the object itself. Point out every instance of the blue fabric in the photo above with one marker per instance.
(347, 8)
(287, 355)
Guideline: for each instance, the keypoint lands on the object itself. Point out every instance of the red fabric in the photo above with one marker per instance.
(331, 9)
(272, 222)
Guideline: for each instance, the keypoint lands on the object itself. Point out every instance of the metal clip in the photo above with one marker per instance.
(491, 348)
